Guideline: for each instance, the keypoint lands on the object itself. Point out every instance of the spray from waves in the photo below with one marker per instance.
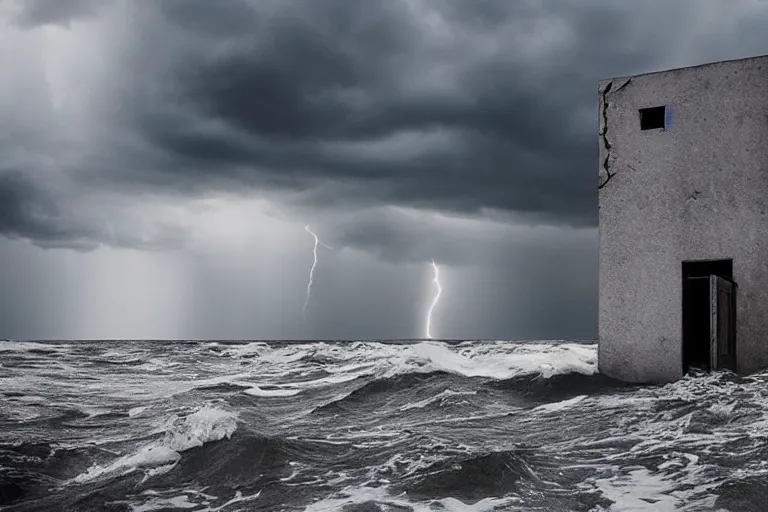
(206, 424)
(513, 360)
(289, 370)
(375, 369)
(498, 360)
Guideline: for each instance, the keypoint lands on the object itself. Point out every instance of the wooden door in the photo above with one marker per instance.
(722, 323)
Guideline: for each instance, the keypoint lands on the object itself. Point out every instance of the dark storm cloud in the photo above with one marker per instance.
(457, 106)
(294, 94)
(298, 94)
(29, 210)
(300, 90)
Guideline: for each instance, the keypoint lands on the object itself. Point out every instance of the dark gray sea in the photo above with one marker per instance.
(368, 426)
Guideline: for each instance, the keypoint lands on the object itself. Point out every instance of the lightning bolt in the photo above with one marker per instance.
(435, 281)
(314, 264)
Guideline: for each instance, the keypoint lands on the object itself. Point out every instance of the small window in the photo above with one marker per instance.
(652, 118)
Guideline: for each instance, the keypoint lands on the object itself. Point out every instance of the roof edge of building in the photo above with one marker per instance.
(685, 68)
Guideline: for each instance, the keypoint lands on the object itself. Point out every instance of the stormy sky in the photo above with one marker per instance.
(160, 159)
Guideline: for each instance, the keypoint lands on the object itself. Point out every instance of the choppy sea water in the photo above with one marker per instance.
(364, 426)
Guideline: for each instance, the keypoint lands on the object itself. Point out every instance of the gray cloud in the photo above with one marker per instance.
(56, 12)
(448, 106)
(362, 118)
(319, 92)
(33, 211)
(293, 95)
(395, 236)
(29, 212)
(298, 100)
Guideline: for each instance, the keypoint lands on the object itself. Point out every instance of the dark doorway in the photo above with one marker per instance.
(699, 289)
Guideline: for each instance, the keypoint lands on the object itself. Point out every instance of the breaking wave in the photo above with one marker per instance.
(204, 425)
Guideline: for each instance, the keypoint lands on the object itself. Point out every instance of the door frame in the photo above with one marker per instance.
(694, 270)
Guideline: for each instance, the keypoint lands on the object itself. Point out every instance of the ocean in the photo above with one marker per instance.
(368, 426)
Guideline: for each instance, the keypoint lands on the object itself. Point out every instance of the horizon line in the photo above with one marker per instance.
(296, 340)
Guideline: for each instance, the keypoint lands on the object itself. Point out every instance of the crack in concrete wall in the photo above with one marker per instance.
(605, 174)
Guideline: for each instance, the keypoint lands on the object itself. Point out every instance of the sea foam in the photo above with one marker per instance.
(205, 424)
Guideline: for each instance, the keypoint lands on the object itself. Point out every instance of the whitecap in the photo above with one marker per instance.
(257, 391)
(519, 359)
(205, 424)
(640, 490)
(148, 456)
(135, 411)
(559, 406)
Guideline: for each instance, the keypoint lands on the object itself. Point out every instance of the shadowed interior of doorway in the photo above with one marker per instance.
(696, 309)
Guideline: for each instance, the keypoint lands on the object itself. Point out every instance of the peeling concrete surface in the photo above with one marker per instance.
(698, 191)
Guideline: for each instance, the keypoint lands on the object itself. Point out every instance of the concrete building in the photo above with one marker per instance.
(683, 198)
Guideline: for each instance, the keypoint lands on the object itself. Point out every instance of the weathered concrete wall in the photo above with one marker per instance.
(697, 190)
